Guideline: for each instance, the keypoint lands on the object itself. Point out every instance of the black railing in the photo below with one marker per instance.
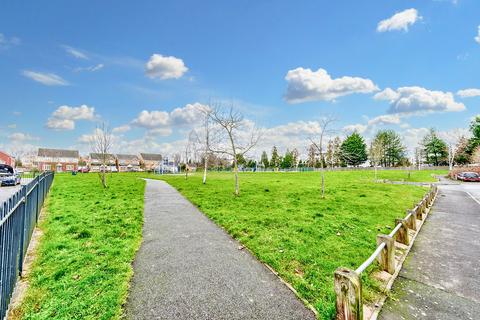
(18, 217)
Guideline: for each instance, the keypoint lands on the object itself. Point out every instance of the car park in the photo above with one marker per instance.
(9, 176)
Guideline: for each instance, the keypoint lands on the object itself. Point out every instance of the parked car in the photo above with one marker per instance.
(9, 176)
(468, 176)
(83, 169)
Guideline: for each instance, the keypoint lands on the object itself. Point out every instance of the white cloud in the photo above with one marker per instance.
(151, 119)
(477, 38)
(90, 68)
(48, 79)
(65, 116)
(399, 21)
(418, 100)
(12, 126)
(165, 67)
(22, 137)
(468, 93)
(360, 128)
(60, 124)
(157, 120)
(6, 42)
(75, 53)
(83, 112)
(121, 129)
(307, 85)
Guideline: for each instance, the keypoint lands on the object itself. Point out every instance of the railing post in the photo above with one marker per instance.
(402, 234)
(22, 229)
(418, 211)
(348, 288)
(412, 220)
(386, 258)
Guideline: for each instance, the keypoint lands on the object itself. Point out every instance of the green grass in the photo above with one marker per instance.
(282, 220)
(83, 263)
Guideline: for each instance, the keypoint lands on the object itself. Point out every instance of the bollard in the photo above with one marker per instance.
(348, 289)
(386, 258)
(418, 212)
(402, 234)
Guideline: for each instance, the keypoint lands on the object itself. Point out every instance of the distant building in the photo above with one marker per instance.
(95, 162)
(150, 161)
(167, 167)
(58, 160)
(127, 162)
(7, 159)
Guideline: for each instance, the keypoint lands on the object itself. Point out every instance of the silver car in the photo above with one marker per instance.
(9, 176)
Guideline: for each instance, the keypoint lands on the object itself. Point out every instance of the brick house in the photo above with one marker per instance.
(127, 162)
(150, 161)
(94, 162)
(58, 160)
(7, 159)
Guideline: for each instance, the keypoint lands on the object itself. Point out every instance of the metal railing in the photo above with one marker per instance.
(348, 283)
(18, 217)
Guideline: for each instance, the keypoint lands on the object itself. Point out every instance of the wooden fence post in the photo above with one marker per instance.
(348, 288)
(418, 211)
(412, 220)
(402, 234)
(386, 258)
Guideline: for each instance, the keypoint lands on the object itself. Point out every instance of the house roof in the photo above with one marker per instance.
(151, 156)
(57, 153)
(99, 156)
(126, 156)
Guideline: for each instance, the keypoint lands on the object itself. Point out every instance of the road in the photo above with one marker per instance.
(440, 277)
(7, 192)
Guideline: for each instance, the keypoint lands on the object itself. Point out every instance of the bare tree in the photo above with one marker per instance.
(452, 139)
(205, 140)
(318, 142)
(101, 144)
(375, 155)
(237, 138)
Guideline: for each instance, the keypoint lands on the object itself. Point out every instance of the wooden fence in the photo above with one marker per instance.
(348, 284)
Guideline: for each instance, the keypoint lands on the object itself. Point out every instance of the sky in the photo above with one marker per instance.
(146, 67)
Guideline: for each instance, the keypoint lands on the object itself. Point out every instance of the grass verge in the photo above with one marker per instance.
(90, 236)
(281, 218)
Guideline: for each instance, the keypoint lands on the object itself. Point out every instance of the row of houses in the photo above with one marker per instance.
(61, 160)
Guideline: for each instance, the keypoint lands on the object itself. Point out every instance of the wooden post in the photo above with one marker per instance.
(412, 220)
(402, 234)
(418, 212)
(387, 257)
(348, 289)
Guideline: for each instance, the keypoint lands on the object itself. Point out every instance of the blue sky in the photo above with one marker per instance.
(284, 64)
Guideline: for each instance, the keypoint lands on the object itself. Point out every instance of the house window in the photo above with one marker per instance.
(47, 167)
(69, 167)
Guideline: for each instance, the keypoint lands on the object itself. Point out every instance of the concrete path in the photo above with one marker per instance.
(189, 268)
(441, 276)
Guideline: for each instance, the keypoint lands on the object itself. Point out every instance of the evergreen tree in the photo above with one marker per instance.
(389, 144)
(275, 159)
(435, 149)
(354, 150)
(287, 161)
(337, 153)
(264, 159)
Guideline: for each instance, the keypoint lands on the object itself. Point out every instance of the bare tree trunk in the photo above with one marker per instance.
(323, 183)
(237, 186)
(205, 169)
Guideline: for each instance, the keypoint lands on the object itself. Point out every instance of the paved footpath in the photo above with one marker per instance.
(441, 276)
(189, 268)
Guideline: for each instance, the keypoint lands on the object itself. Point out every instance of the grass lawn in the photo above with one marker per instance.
(282, 220)
(83, 263)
